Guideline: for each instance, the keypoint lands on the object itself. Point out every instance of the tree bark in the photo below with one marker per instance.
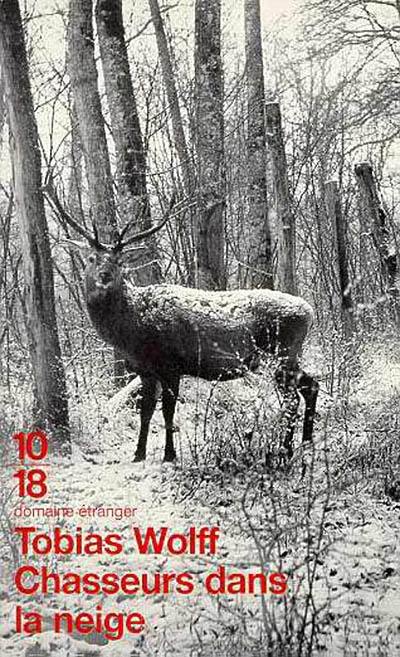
(283, 201)
(381, 233)
(209, 138)
(74, 196)
(48, 371)
(131, 161)
(87, 104)
(338, 221)
(2, 109)
(172, 95)
(260, 249)
(177, 126)
(75, 177)
(83, 75)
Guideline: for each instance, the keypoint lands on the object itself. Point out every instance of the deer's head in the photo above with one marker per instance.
(104, 262)
(103, 274)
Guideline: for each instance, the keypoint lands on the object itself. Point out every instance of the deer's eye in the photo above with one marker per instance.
(92, 258)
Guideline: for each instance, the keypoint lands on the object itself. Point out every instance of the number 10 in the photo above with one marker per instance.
(33, 445)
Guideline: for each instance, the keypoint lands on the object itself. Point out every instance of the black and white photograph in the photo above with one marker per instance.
(199, 328)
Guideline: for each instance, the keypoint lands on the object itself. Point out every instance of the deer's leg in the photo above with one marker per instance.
(170, 391)
(286, 378)
(308, 388)
(148, 398)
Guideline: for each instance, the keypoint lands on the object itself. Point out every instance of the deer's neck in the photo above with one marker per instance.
(110, 315)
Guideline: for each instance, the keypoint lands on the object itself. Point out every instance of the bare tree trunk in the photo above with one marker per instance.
(131, 161)
(172, 95)
(74, 196)
(260, 250)
(75, 178)
(381, 233)
(3, 109)
(50, 386)
(83, 76)
(209, 136)
(283, 201)
(338, 221)
(87, 104)
(177, 123)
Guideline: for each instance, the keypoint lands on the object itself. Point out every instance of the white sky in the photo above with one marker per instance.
(273, 9)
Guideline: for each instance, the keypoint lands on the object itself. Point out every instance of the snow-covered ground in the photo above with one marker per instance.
(328, 533)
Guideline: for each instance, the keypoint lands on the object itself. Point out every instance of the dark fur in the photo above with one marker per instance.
(167, 331)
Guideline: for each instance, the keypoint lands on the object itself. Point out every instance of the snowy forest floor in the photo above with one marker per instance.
(331, 523)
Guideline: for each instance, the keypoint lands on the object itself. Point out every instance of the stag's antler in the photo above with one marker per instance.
(120, 244)
(53, 200)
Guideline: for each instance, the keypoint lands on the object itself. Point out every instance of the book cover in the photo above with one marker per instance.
(199, 311)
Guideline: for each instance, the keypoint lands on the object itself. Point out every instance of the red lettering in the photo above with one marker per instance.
(184, 583)
(90, 583)
(130, 583)
(84, 623)
(110, 584)
(133, 620)
(24, 531)
(150, 540)
(278, 583)
(18, 579)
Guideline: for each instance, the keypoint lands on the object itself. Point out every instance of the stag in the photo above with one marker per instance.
(165, 332)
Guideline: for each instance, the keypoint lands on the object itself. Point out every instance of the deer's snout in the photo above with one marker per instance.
(104, 277)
